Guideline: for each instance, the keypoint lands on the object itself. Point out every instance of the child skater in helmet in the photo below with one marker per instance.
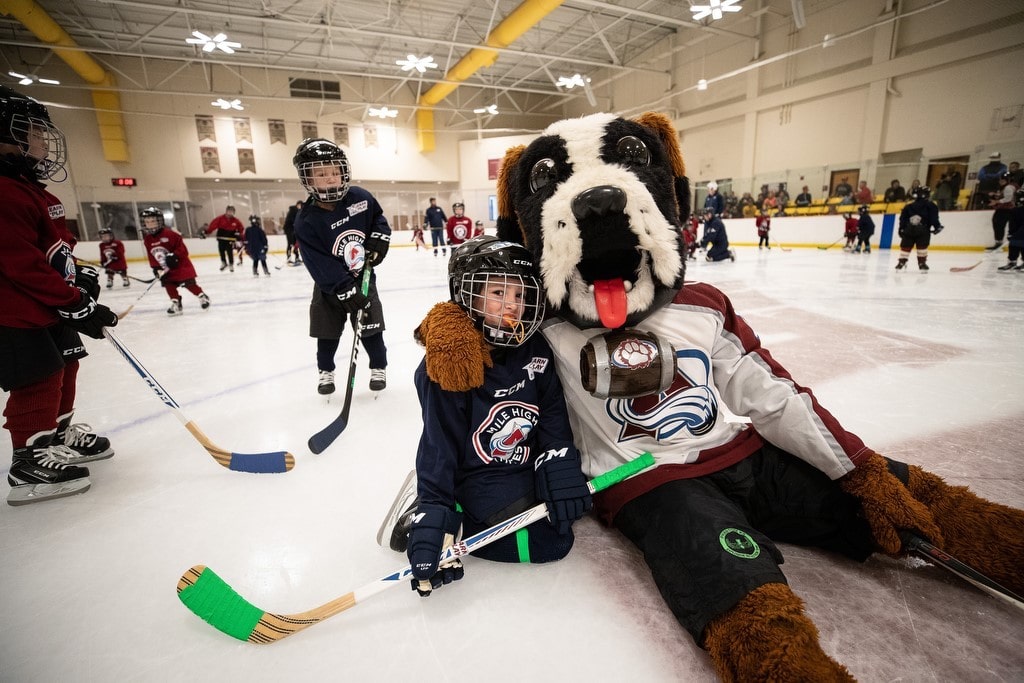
(919, 220)
(339, 228)
(112, 258)
(168, 257)
(46, 300)
(487, 451)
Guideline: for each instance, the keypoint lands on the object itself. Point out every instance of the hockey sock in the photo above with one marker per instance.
(325, 350)
(172, 291)
(194, 288)
(376, 350)
(69, 387)
(32, 410)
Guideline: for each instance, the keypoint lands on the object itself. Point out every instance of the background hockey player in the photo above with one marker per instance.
(434, 220)
(865, 229)
(458, 228)
(112, 258)
(850, 230)
(168, 257)
(257, 245)
(45, 301)
(919, 220)
(764, 226)
(715, 240)
(486, 453)
(229, 230)
(339, 227)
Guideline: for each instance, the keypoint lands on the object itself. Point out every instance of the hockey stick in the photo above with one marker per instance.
(787, 249)
(965, 572)
(319, 442)
(217, 603)
(120, 316)
(280, 461)
(130, 277)
(834, 243)
(964, 269)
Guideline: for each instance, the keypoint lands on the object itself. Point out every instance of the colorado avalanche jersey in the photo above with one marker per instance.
(478, 447)
(332, 241)
(728, 396)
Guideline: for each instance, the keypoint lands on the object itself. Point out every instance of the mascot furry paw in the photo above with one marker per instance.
(598, 201)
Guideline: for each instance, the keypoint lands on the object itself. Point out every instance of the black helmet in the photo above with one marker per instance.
(255, 220)
(315, 153)
(863, 208)
(26, 123)
(487, 262)
(106, 231)
(921, 192)
(458, 205)
(152, 212)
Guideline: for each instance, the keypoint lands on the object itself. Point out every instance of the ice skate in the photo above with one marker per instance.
(901, 264)
(81, 442)
(394, 530)
(994, 246)
(175, 308)
(204, 301)
(110, 282)
(38, 473)
(325, 385)
(922, 266)
(1009, 267)
(378, 379)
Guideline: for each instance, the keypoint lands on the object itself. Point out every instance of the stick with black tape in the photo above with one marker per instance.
(946, 561)
(217, 603)
(319, 442)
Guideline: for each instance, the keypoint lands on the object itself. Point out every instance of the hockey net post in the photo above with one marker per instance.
(210, 598)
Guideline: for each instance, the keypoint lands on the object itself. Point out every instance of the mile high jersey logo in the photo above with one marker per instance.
(688, 408)
(502, 435)
(349, 246)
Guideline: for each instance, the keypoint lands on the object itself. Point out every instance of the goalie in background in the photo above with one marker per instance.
(496, 437)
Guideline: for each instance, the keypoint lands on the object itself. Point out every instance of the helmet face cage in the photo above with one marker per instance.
(495, 283)
(154, 213)
(922, 192)
(316, 159)
(26, 123)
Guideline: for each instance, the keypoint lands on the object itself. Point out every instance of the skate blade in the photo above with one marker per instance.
(80, 459)
(36, 493)
(397, 508)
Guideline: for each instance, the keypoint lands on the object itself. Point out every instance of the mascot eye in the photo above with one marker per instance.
(542, 173)
(633, 151)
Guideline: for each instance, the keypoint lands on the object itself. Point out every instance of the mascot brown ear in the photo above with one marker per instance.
(662, 125)
(508, 222)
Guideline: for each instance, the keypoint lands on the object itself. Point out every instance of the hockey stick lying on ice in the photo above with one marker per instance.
(965, 572)
(319, 442)
(780, 246)
(130, 277)
(211, 599)
(834, 243)
(120, 316)
(259, 463)
(963, 269)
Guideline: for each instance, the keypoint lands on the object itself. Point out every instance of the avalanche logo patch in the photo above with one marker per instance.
(502, 435)
(349, 246)
(688, 408)
(358, 207)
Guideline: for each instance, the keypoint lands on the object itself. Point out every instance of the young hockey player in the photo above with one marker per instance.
(256, 244)
(919, 220)
(865, 229)
(459, 228)
(764, 225)
(716, 240)
(417, 237)
(850, 230)
(45, 301)
(112, 258)
(335, 257)
(487, 452)
(168, 257)
(229, 230)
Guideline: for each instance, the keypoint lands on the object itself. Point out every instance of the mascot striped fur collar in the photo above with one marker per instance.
(599, 202)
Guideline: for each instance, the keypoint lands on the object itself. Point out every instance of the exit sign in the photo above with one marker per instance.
(123, 182)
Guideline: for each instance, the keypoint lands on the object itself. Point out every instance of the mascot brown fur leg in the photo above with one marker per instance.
(985, 535)
(767, 637)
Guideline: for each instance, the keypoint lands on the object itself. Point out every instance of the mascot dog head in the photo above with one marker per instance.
(597, 200)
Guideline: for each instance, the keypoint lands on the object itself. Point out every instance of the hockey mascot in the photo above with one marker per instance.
(649, 364)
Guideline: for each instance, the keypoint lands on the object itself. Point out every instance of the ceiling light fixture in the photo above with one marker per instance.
(714, 9)
(218, 42)
(383, 112)
(570, 82)
(29, 79)
(702, 84)
(224, 104)
(420, 64)
(490, 109)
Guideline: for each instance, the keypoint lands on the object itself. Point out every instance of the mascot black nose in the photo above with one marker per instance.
(598, 202)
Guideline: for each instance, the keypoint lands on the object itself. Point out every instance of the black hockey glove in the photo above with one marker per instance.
(433, 529)
(560, 483)
(376, 246)
(88, 317)
(172, 261)
(352, 299)
(87, 279)
(901, 231)
(937, 229)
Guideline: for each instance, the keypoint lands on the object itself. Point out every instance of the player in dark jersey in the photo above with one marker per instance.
(45, 301)
(339, 227)
(919, 220)
(496, 437)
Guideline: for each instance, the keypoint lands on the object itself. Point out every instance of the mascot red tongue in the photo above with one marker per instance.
(610, 299)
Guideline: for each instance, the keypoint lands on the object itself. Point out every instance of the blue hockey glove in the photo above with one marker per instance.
(352, 299)
(559, 482)
(433, 529)
(376, 245)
